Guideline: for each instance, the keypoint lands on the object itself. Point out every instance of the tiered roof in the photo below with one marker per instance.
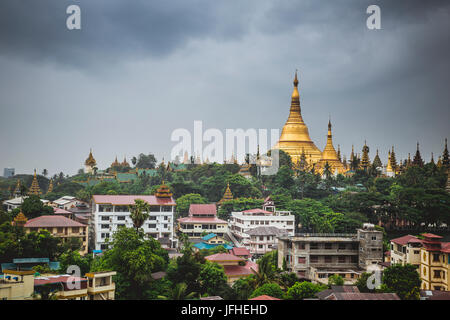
(35, 189)
(163, 191)
(227, 196)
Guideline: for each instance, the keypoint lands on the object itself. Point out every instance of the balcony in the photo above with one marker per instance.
(100, 289)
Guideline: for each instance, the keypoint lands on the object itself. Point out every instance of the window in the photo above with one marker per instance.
(301, 260)
(341, 259)
(260, 246)
(261, 238)
(105, 226)
(152, 225)
(435, 257)
(328, 246)
(314, 259)
(75, 230)
(301, 246)
(60, 230)
(374, 238)
(105, 218)
(328, 259)
(437, 274)
(314, 246)
(342, 246)
(121, 218)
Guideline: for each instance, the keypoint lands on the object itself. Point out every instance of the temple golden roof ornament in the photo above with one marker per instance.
(365, 161)
(50, 186)
(20, 220)
(125, 163)
(90, 161)
(17, 190)
(34, 188)
(227, 196)
(295, 134)
(329, 155)
(163, 191)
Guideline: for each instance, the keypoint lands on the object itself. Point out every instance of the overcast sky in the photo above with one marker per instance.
(139, 69)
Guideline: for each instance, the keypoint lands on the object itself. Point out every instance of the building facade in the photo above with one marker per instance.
(318, 256)
(406, 250)
(202, 219)
(434, 263)
(111, 212)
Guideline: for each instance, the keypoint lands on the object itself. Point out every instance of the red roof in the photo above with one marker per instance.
(129, 199)
(430, 235)
(57, 279)
(202, 209)
(201, 220)
(445, 247)
(236, 270)
(61, 211)
(223, 257)
(257, 210)
(240, 251)
(406, 239)
(264, 297)
(52, 221)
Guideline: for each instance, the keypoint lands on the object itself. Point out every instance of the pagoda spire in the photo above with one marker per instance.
(17, 190)
(377, 161)
(393, 160)
(34, 188)
(339, 152)
(365, 162)
(445, 156)
(50, 187)
(417, 161)
(432, 158)
(227, 196)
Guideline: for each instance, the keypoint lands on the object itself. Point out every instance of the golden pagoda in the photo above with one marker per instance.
(50, 186)
(115, 163)
(330, 156)
(125, 163)
(90, 163)
(365, 161)
(34, 188)
(377, 161)
(163, 191)
(20, 219)
(295, 134)
(227, 196)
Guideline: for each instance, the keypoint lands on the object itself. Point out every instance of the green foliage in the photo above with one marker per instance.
(270, 289)
(403, 280)
(212, 278)
(335, 280)
(304, 290)
(33, 207)
(361, 283)
(134, 258)
(139, 212)
(244, 287)
(146, 161)
(185, 201)
(69, 257)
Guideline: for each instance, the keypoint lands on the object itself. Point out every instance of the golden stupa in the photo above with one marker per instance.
(330, 155)
(295, 135)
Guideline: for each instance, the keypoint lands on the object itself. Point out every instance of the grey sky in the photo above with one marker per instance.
(140, 69)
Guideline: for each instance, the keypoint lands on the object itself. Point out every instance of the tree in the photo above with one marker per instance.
(361, 283)
(335, 280)
(184, 202)
(403, 280)
(139, 213)
(212, 278)
(33, 207)
(270, 289)
(179, 292)
(244, 287)
(45, 172)
(146, 161)
(134, 258)
(304, 290)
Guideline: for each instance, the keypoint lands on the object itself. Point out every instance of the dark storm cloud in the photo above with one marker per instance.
(113, 29)
(138, 69)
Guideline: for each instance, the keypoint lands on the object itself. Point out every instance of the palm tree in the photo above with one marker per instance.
(265, 273)
(179, 292)
(139, 213)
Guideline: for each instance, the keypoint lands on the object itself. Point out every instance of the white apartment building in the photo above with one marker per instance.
(111, 212)
(242, 222)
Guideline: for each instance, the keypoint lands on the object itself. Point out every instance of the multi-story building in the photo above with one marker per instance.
(406, 250)
(318, 256)
(263, 240)
(241, 223)
(202, 219)
(111, 212)
(435, 263)
(60, 227)
(17, 285)
(8, 172)
(100, 285)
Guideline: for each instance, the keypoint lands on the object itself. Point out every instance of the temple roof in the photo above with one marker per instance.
(90, 161)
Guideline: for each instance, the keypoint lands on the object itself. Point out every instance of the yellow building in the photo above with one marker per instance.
(100, 285)
(60, 227)
(435, 263)
(17, 285)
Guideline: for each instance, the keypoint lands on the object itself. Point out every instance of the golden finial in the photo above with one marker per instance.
(296, 79)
